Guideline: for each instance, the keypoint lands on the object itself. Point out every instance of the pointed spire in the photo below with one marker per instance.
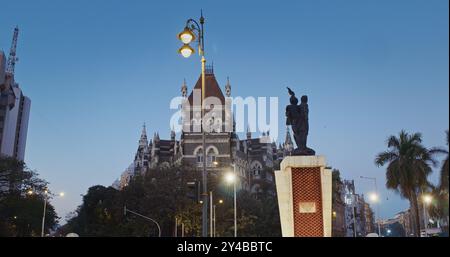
(249, 134)
(143, 140)
(144, 130)
(228, 87)
(184, 89)
(155, 138)
(288, 145)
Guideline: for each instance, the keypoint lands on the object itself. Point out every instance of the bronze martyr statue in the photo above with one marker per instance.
(297, 118)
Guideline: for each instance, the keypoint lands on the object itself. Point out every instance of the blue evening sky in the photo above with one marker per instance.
(96, 70)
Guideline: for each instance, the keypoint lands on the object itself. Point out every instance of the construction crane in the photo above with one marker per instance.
(12, 53)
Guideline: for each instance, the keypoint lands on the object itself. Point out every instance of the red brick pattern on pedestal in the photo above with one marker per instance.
(307, 187)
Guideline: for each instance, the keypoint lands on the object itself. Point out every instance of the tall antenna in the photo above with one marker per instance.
(12, 53)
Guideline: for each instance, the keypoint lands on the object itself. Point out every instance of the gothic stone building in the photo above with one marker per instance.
(254, 158)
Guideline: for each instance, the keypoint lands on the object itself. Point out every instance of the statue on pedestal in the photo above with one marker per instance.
(297, 118)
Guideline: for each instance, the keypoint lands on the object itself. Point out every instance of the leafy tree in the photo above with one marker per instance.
(408, 168)
(444, 194)
(438, 208)
(162, 194)
(444, 171)
(24, 215)
(21, 213)
(159, 194)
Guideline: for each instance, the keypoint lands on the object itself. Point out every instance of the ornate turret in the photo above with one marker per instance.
(288, 145)
(143, 140)
(184, 89)
(228, 88)
(141, 157)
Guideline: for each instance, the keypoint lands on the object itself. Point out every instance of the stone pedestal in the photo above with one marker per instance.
(304, 196)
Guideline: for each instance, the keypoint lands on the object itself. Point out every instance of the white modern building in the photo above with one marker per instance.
(14, 108)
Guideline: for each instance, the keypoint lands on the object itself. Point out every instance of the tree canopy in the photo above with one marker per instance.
(22, 200)
(164, 195)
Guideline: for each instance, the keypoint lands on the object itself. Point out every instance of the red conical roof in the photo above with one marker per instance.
(211, 88)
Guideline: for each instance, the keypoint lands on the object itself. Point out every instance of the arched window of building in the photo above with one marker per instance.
(211, 157)
(211, 154)
(199, 157)
(256, 191)
(256, 168)
(198, 152)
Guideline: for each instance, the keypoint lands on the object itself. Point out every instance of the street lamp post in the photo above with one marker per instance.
(211, 231)
(176, 226)
(214, 221)
(235, 207)
(426, 200)
(376, 201)
(214, 217)
(43, 215)
(46, 193)
(231, 178)
(125, 210)
(187, 36)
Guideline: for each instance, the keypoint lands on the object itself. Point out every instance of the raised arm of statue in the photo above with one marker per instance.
(288, 117)
(291, 93)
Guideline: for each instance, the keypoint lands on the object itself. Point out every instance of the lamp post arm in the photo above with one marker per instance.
(145, 217)
(193, 24)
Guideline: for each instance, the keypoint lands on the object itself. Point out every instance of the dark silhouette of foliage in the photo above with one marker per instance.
(163, 195)
(409, 164)
(21, 213)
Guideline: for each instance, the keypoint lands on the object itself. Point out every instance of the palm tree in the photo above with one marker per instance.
(444, 186)
(438, 209)
(444, 171)
(408, 168)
